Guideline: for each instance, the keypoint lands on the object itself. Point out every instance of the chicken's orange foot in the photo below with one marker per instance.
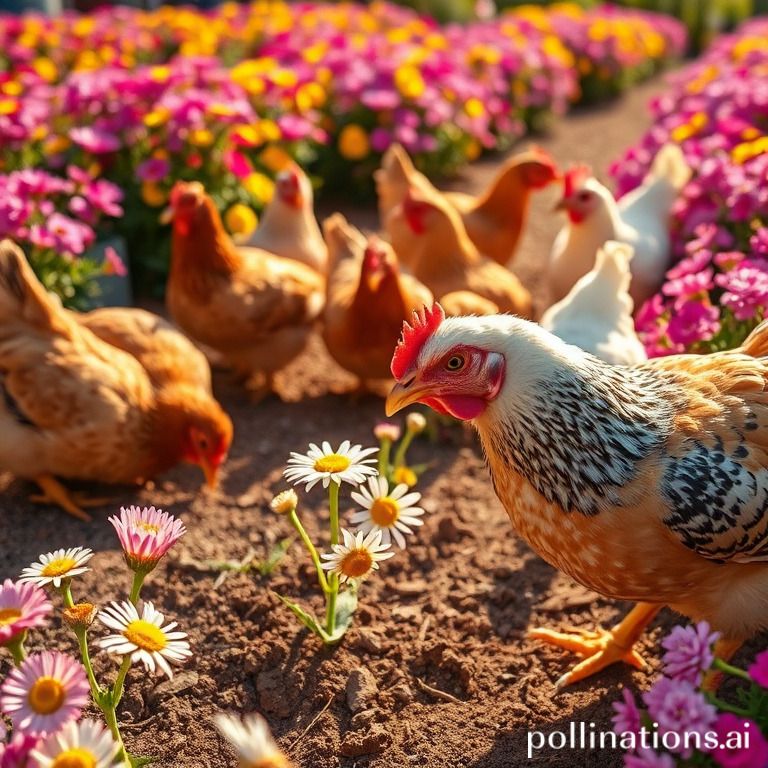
(601, 647)
(53, 492)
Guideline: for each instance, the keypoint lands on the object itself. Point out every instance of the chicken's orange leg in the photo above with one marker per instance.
(53, 492)
(724, 649)
(601, 647)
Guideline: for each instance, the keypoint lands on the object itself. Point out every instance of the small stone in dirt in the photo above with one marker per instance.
(370, 743)
(449, 531)
(415, 587)
(402, 694)
(362, 690)
(367, 640)
(179, 683)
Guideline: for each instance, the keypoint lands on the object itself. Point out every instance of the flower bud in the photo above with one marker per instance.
(284, 502)
(415, 422)
(80, 616)
(385, 430)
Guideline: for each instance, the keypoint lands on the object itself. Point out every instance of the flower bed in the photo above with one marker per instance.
(717, 110)
(144, 99)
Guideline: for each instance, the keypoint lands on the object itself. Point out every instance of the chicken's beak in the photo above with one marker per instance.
(373, 281)
(211, 473)
(403, 395)
(166, 216)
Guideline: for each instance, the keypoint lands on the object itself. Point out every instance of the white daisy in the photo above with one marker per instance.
(357, 556)
(56, 566)
(252, 741)
(348, 464)
(391, 513)
(86, 744)
(143, 638)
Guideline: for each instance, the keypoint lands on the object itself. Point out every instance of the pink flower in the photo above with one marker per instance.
(22, 607)
(627, 717)
(679, 708)
(146, 535)
(647, 758)
(746, 291)
(689, 652)
(15, 754)
(154, 169)
(753, 749)
(759, 669)
(690, 284)
(693, 321)
(237, 163)
(45, 692)
(94, 140)
(113, 264)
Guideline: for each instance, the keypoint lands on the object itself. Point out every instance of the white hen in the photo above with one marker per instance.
(597, 314)
(288, 226)
(640, 219)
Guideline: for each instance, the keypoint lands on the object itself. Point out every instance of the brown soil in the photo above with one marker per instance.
(437, 671)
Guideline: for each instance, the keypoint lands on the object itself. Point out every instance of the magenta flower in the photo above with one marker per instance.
(693, 321)
(745, 291)
(647, 758)
(690, 284)
(677, 707)
(146, 535)
(44, 693)
(113, 264)
(627, 717)
(689, 652)
(154, 169)
(69, 236)
(16, 753)
(753, 747)
(22, 607)
(94, 140)
(759, 669)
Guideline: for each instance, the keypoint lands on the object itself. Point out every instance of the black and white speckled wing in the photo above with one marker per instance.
(717, 495)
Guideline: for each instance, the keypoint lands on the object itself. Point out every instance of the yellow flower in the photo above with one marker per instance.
(55, 145)
(157, 117)
(353, 142)
(314, 54)
(284, 78)
(473, 150)
(260, 187)
(11, 88)
(9, 106)
(309, 96)
(683, 132)
(409, 82)
(241, 221)
(152, 194)
(474, 107)
(270, 130)
(201, 137)
(220, 110)
(45, 68)
(274, 158)
(746, 151)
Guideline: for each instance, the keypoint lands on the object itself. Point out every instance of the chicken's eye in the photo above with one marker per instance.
(584, 196)
(203, 443)
(455, 363)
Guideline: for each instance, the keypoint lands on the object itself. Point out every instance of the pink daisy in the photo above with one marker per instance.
(146, 535)
(46, 691)
(22, 606)
(15, 754)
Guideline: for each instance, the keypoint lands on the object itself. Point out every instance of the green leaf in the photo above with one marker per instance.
(307, 619)
(275, 557)
(137, 761)
(346, 605)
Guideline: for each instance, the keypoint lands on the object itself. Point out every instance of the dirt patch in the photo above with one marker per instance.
(437, 671)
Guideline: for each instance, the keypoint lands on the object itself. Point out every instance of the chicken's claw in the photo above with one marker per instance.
(53, 492)
(600, 647)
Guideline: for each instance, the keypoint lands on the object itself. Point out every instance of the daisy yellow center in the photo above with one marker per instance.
(277, 760)
(77, 757)
(385, 511)
(356, 563)
(333, 462)
(148, 528)
(46, 695)
(9, 615)
(59, 567)
(146, 636)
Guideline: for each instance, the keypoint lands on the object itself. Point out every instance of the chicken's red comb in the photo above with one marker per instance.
(575, 177)
(413, 338)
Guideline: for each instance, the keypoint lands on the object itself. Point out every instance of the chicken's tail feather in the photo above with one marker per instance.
(670, 164)
(22, 296)
(344, 240)
(756, 344)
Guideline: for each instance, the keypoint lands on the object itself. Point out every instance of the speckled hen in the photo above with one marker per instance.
(646, 483)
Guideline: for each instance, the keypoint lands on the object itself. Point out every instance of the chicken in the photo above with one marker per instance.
(641, 219)
(288, 226)
(367, 300)
(429, 238)
(75, 407)
(495, 219)
(645, 483)
(597, 314)
(167, 355)
(254, 308)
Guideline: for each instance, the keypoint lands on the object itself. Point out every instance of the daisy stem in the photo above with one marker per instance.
(117, 689)
(333, 507)
(110, 715)
(66, 593)
(402, 449)
(16, 647)
(330, 608)
(138, 582)
(82, 641)
(384, 451)
(723, 666)
(294, 518)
